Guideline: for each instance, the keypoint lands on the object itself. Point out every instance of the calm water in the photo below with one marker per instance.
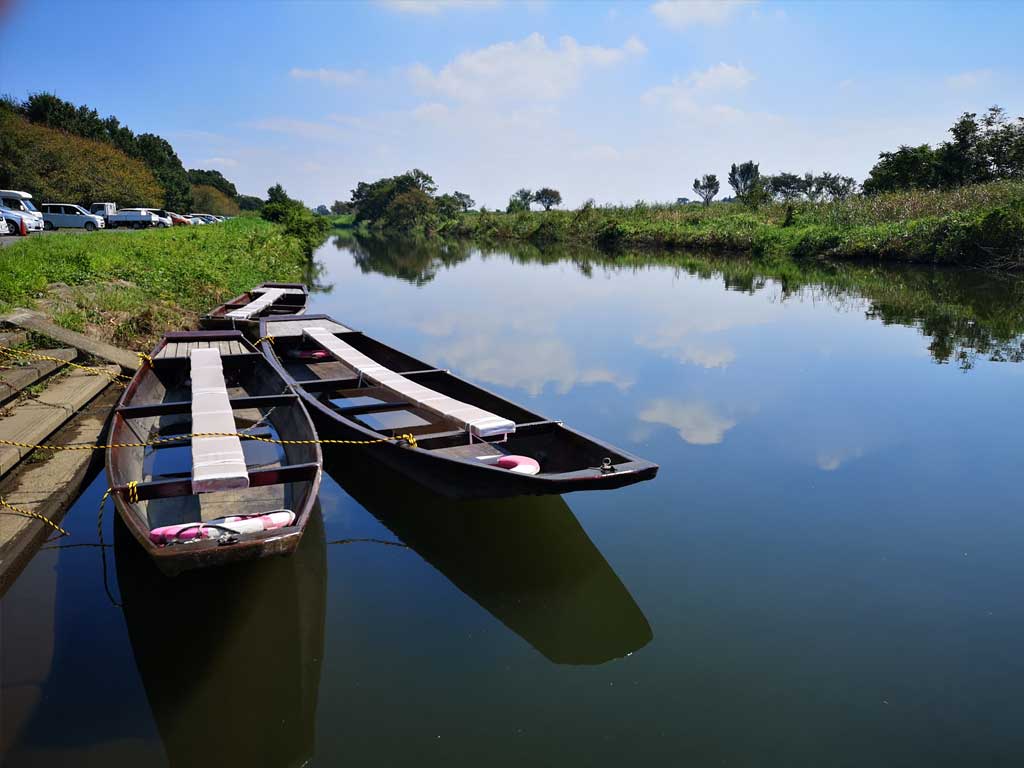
(827, 571)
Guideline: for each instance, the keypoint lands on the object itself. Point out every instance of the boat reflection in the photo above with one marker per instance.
(230, 657)
(526, 560)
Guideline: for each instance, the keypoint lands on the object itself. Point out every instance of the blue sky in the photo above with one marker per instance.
(615, 101)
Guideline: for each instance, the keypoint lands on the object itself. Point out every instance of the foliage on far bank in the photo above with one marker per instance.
(207, 199)
(62, 168)
(977, 225)
(408, 202)
(298, 221)
(133, 286)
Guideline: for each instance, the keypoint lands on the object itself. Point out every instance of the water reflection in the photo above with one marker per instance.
(527, 561)
(230, 658)
(964, 313)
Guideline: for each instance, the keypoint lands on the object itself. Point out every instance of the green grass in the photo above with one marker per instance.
(133, 286)
(979, 225)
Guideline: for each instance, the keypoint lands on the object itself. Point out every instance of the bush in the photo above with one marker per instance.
(207, 199)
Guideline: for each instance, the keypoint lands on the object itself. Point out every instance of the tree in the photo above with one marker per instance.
(706, 187)
(448, 206)
(743, 178)
(250, 202)
(835, 186)
(465, 201)
(906, 168)
(322, 210)
(408, 208)
(276, 194)
(547, 197)
(520, 201)
(340, 208)
(213, 179)
(785, 186)
(207, 199)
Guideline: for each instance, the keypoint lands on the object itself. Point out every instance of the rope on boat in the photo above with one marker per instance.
(408, 438)
(263, 338)
(117, 378)
(35, 515)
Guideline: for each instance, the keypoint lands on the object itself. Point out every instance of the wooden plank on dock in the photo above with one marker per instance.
(35, 321)
(35, 420)
(16, 377)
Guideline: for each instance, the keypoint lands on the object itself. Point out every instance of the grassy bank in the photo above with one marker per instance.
(131, 287)
(977, 225)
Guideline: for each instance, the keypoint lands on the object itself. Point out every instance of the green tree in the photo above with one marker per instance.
(743, 178)
(277, 194)
(547, 197)
(322, 210)
(408, 208)
(706, 187)
(250, 202)
(207, 199)
(520, 201)
(159, 155)
(785, 186)
(340, 208)
(465, 201)
(213, 179)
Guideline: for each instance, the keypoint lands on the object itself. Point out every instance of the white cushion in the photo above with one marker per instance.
(218, 463)
(478, 421)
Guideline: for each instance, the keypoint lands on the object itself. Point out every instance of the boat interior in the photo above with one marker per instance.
(275, 477)
(350, 393)
(267, 299)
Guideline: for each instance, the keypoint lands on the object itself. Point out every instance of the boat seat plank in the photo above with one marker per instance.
(285, 328)
(166, 489)
(169, 408)
(263, 498)
(218, 463)
(261, 303)
(468, 451)
(477, 421)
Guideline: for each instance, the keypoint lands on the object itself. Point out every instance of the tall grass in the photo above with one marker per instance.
(983, 224)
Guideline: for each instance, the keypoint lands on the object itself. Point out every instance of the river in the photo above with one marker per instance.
(827, 569)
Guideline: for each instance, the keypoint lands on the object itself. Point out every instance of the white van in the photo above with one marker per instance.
(57, 215)
(16, 208)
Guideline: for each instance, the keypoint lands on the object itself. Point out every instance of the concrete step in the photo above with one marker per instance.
(13, 338)
(34, 321)
(32, 421)
(15, 378)
(49, 487)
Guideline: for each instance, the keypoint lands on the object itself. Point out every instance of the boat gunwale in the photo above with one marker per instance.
(634, 465)
(172, 559)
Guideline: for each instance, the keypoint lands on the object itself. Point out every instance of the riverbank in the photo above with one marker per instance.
(132, 288)
(981, 225)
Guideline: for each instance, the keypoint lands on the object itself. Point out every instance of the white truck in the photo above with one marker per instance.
(136, 218)
(106, 210)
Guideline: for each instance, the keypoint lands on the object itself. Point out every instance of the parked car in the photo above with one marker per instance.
(197, 220)
(136, 218)
(106, 210)
(57, 215)
(17, 209)
(209, 218)
(178, 220)
(3, 227)
(163, 218)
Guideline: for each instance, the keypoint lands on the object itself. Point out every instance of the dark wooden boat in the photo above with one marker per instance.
(462, 431)
(230, 658)
(179, 484)
(240, 312)
(527, 561)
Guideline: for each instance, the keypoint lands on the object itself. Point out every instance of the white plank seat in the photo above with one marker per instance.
(218, 463)
(476, 421)
(260, 303)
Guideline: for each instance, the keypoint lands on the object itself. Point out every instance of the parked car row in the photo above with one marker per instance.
(18, 216)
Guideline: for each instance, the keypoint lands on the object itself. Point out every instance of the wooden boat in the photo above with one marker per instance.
(191, 482)
(527, 561)
(469, 442)
(265, 300)
(230, 658)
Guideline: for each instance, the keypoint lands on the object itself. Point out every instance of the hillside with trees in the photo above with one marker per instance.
(63, 168)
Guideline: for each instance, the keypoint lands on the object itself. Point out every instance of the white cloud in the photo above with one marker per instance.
(432, 111)
(338, 77)
(697, 422)
(966, 81)
(223, 162)
(830, 461)
(687, 95)
(433, 7)
(680, 14)
(525, 69)
(303, 129)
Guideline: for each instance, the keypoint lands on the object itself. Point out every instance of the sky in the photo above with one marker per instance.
(612, 101)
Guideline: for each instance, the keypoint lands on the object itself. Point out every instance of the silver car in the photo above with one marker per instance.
(57, 215)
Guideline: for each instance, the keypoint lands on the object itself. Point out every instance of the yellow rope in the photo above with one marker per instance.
(18, 511)
(117, 378)
(263, 338)
(409, 438)
(144, 358)
(133, 491)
